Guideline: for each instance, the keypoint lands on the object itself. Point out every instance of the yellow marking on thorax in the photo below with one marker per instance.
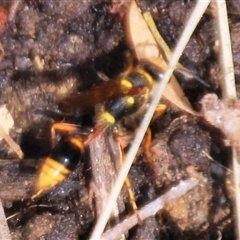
(106, 117)
(146, 75)
(146, 96)
(125, 84)
(130, 101)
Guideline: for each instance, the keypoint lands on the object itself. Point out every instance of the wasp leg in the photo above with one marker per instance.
(161, 108)
(131, 194)
(146, 146)
(66, 128)
(95, 134)
(37, 194)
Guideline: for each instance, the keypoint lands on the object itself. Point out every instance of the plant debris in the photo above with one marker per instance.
(50, 49)
(225, 115)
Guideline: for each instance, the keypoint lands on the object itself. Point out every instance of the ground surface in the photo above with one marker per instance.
(53, 48)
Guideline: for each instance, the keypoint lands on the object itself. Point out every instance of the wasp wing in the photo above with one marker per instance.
(104, 92)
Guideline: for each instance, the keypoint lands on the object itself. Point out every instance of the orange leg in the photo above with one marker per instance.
(63, 128)
(127, 180)
(95, 133)
(130, 192)
(161, 108)
(146, 146)
(67, 128)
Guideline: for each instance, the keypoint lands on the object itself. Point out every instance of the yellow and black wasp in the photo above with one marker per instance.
(118, 98)
(121, 97)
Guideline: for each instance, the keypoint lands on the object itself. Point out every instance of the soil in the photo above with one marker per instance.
(50, 49)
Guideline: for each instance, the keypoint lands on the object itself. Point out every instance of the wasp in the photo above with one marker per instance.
(122, 97)
(117, 99)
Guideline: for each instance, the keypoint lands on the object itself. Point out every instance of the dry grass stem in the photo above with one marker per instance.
(151, 209)
(194, 18)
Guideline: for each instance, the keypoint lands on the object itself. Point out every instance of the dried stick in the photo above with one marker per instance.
(187, 32)
(150, 209)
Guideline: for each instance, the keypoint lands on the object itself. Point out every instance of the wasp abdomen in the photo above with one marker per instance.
(62, 161)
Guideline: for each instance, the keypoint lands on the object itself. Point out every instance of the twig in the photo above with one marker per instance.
(14, 146)
(225, 51)
(13, 9)
(150, 209)
(4, 231)
(229, 91)
(187, 32)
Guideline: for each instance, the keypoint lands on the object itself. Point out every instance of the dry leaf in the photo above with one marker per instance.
(6, 123)
(6, 119)
(142, 41)
(138, 34)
